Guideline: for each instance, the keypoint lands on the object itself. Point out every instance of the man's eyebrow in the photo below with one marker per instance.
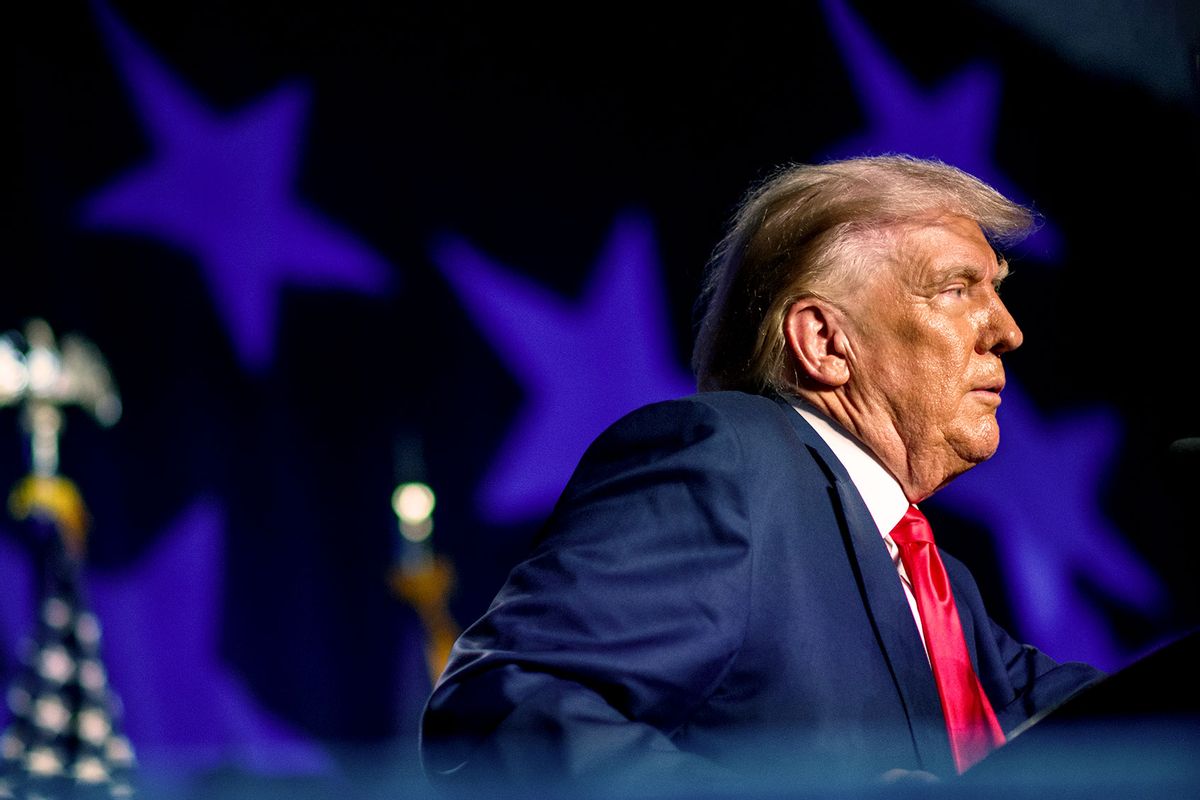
(969, 271)
(966, 271)
(1002, 271)
(973, 272)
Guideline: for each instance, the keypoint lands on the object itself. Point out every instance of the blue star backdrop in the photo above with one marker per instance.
(327, 251)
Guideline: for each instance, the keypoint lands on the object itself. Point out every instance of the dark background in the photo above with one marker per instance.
(528, 133)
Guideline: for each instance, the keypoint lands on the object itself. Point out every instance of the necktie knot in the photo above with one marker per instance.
(912, 528)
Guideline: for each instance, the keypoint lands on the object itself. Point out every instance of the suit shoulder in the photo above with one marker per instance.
(713, 407)
(719, 431)
(699, 419)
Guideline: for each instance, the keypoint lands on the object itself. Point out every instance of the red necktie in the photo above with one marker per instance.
(970, 721)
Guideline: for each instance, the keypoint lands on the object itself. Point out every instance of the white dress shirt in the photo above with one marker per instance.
(880, 492)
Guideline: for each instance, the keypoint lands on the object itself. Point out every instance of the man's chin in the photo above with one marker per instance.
(981, 446)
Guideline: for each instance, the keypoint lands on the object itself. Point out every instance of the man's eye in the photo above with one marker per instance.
(957, 290)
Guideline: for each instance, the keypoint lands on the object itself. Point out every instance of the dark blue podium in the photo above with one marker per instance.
(1134, 734)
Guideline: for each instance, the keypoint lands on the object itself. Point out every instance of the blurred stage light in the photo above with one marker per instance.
(413, 504)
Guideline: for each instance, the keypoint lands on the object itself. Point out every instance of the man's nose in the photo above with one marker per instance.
(1001, 334)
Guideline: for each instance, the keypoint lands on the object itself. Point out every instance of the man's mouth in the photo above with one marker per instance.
(990, 390)
(991, 383)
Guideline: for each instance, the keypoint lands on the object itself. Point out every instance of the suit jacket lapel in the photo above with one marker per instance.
(887, 606)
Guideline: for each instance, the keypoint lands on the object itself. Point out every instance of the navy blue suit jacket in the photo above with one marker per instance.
(711, 597)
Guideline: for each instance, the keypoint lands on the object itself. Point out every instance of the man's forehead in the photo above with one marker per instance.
(948, 244)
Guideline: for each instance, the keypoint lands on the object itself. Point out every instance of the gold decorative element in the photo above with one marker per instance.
(57, 500)
(426, 586)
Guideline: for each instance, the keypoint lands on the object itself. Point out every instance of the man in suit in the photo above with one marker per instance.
(733, 587)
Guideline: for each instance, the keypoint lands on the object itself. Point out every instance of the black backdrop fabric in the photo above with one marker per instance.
(531, 135)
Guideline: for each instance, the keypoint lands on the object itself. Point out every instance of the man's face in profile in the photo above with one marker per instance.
(929, 331)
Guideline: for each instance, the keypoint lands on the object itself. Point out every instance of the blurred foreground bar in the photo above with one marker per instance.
(1134, 735)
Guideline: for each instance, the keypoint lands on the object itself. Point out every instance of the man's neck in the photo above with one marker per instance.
(874, 432)
(881, 492)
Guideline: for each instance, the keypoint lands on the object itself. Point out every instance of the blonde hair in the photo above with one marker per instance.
(801, 233)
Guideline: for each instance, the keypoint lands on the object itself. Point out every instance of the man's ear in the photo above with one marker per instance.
(817, 341)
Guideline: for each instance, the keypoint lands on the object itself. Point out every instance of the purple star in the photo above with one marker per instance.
(184, 707)
(955, 123)
(582, 365)
(220, 186)
(1040, 495)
